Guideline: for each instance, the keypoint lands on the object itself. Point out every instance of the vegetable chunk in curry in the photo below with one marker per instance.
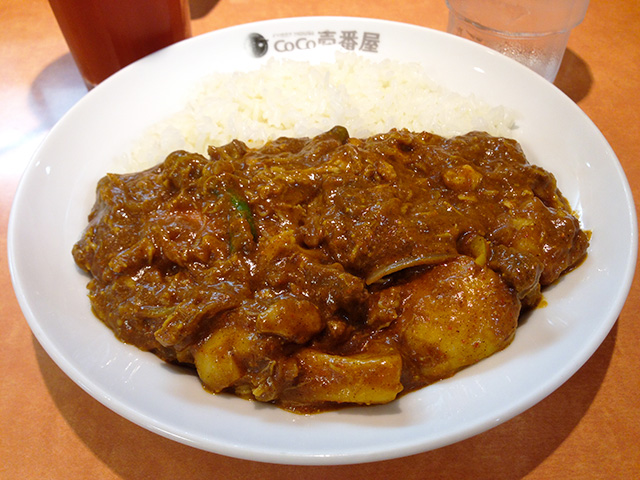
(317, 272)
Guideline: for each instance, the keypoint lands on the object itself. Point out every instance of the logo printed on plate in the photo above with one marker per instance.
(350, 40)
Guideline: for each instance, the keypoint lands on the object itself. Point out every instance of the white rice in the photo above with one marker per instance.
(296, 99)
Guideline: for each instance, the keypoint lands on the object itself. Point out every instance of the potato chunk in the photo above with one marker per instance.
(453, 316)
(293, 319)
(217, 359)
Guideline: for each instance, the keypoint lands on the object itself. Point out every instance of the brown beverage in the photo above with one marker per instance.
(107, 35)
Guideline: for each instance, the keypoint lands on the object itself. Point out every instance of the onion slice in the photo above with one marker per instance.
(409, 262)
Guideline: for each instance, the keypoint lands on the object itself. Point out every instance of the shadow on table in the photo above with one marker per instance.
(574, 77)
(55, 90)
(200, 8)
(508, 451)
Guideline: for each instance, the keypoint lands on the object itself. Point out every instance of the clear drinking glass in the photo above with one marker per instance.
(533, 32)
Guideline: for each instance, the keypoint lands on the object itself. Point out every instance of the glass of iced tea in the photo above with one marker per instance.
(107, 35)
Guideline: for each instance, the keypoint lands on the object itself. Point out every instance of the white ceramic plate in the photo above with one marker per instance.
(57, 191)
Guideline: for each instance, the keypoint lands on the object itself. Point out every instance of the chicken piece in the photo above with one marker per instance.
(284, 265)
(451, 316)
(234, 357)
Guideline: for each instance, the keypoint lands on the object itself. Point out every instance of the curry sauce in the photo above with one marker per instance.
(315, 272)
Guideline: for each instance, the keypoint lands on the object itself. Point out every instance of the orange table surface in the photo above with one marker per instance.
(50, 428)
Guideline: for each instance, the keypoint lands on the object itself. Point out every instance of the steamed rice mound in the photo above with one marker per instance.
(297, 99)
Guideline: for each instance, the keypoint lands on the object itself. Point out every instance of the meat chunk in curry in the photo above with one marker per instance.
(316, 272)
